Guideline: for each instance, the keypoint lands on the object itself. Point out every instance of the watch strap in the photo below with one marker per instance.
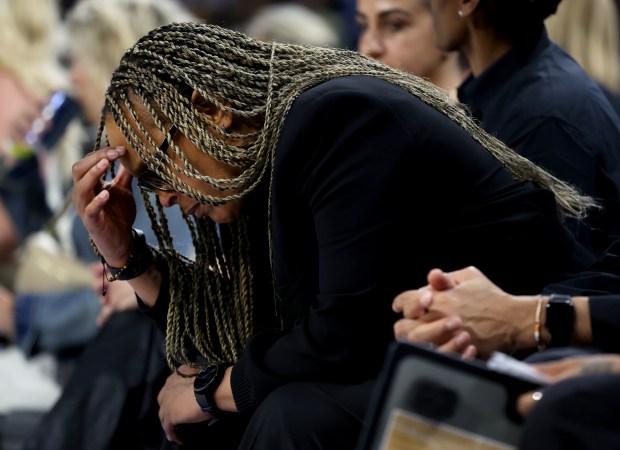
(206, 383)
(560, 319)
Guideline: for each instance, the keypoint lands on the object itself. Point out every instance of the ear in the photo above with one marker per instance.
(223, 119)
(469, 6)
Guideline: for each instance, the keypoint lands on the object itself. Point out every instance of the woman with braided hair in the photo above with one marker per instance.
(317, 184)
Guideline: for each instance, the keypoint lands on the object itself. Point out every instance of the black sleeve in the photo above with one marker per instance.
(337, 174)
(601, 282)
(562, 149)
(605, 321)
(159, 312)
(371, 189)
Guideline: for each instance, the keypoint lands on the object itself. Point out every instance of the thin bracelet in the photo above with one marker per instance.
(119, 273)
(537, 337)
(104, 265)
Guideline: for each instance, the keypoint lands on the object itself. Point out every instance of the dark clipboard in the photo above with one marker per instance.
(423, 394)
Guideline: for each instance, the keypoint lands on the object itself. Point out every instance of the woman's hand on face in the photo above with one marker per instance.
(107, 209)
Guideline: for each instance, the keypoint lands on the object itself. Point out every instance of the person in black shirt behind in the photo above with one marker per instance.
(532, 95)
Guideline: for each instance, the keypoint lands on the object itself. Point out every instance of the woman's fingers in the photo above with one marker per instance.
(470, 352)
(445, 333)
(123, 178)
(460, 343)
(439, 280)
(438, 332)
(526, 401)
(92, 165)
(89, 194)
(96, 205)
(413, 304)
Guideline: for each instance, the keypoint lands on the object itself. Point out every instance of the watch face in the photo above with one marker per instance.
(205, 378)
(560, 320)
(205, 384)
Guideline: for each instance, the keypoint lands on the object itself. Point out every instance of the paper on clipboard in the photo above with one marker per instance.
(406, 430)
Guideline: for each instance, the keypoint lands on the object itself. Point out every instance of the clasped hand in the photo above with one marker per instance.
(178, 405)
(461, 312)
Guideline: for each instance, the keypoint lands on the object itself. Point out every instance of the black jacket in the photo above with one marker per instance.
(371, 189)
(540, 102)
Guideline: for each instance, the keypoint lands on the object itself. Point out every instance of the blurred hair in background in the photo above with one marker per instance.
(588, 31)
(101, 31)
(292, 23)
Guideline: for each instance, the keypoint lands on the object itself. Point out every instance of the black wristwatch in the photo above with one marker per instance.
(205, 384)
(560, 319)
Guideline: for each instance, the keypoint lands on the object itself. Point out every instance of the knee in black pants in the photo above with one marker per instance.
(308, 416)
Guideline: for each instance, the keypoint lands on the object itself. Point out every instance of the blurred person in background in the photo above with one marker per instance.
(533, 96)
(40, 137)
(589, 32)
(400, 33)
(36, 153)
(294, 24)
(97, 35)
(30, 72)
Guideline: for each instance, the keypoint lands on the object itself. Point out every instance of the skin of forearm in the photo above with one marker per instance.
(523, 312)
(148, 285)
(223, 394)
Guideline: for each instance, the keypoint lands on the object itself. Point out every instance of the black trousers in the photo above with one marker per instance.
(109, 401)
(579, 413)
(299, 416)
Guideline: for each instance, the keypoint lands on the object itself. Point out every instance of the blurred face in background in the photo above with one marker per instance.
(399, 33)
(88, 92)
(100, 32)
(450, 28)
